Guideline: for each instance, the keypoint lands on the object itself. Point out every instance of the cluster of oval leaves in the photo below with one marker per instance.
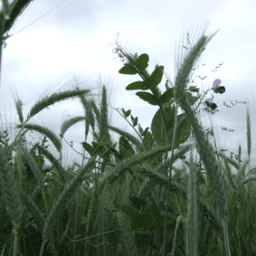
(145, 220)
(162, 125)
(183, 131)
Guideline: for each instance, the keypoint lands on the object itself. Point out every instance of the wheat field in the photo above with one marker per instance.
(141, 202)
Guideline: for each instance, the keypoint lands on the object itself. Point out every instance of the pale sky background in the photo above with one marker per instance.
(76, 39)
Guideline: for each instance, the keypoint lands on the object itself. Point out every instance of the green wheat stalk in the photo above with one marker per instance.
(213, 170)
(10, 191)
(59, 204)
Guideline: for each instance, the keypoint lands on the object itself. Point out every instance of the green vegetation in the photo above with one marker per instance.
(137, 205)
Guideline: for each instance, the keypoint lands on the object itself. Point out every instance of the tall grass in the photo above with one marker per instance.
(217, 181)
(137, 205)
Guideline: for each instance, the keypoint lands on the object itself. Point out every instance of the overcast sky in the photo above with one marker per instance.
(76, 39)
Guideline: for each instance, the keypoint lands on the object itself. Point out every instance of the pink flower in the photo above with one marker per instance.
(216, 82)
(216, 89)
(45, 166)
(210, 100)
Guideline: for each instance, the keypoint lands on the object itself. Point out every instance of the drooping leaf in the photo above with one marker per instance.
(139, 85)
(128, 70)
(146, 96)
(156, 76)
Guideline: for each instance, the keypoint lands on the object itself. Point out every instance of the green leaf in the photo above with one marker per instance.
(135, 56)
(128, 70)
(145, 132)
(126, 113)
(139, 85)
(184, 129)
(101, 151)
(115, 152)
(88, 148)
(167, 96)
(156, 91)
(134, 121)
(125, 149)
(146, 96)
(193, 89)
(142, 62)
(191, 99)
(156, 76)
(140, 129)
(148, 140)
(159, 131)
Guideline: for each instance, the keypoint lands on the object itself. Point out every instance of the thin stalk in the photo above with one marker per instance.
(169, 177)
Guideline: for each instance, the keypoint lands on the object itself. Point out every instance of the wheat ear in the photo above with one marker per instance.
(213, 170)
(208, 157)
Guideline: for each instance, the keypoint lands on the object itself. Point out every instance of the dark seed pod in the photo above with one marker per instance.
(219, 89)
(211, 105)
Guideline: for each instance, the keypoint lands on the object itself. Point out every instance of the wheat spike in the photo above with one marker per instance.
(213, 170)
